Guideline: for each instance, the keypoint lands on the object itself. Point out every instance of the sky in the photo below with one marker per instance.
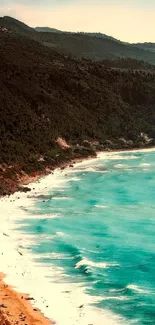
(127, 20)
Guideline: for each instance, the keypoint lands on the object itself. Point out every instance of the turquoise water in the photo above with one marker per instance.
(103, 233)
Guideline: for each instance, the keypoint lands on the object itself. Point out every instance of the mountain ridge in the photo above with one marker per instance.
(92, 46)
(146, 46)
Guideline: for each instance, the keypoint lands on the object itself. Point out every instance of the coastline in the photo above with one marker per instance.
(70, 164)
(14, 202)
(16, 308)
(20, 184)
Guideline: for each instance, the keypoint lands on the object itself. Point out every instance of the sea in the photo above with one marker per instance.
(82, 242)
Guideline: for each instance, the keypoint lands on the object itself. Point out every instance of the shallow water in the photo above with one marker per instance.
(97, 230)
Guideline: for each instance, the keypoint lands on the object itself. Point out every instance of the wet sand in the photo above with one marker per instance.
(16, 308)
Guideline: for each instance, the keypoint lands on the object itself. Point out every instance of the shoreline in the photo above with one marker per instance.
(70, 164)
(20, 180)
(73, 162)
(21, 185)
(38, 187)
(16, 308)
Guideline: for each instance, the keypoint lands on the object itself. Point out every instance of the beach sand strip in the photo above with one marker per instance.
(16, 309)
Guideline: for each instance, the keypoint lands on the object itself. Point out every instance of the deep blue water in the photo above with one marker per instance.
(104, 232)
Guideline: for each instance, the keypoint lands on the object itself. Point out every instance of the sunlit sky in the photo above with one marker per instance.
(127, 20)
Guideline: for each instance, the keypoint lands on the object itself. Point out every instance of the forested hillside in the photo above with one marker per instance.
(130, 64)
(45, 96)
(93, 46)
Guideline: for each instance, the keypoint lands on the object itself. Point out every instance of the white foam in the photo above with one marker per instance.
(100, 206)
(103, 265)
(126, 167)
(121, 298)
(61, 198)
(118, 290)
(52, 256)
(136, 288)
(75, 179)
(116, 156)
(123, 154)
(93, 169)
(144, 165)
(60, 233)
(92, 251)
(120, 166)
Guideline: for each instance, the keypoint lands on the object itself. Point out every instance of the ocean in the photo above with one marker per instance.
(82, 242)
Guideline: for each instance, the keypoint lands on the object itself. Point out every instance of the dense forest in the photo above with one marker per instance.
(45, 95)
(128, 63)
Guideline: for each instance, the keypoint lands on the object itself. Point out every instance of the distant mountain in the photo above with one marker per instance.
(146, 46)
(92, 46)
(47, 30)
(53, 30)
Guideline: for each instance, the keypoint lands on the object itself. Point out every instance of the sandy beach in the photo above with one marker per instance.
(16, 308)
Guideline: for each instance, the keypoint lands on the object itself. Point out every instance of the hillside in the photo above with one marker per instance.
(45, 95)
(93, 46)
(16, 26)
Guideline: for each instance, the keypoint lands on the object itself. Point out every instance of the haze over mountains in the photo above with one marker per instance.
(146, 46)
(93, 46)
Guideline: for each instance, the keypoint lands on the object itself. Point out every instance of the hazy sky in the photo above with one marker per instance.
(128, 20)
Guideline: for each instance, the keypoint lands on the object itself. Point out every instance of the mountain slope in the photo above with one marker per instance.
(89, 46)
(17, 26)
(93, 48)
(45, 95)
